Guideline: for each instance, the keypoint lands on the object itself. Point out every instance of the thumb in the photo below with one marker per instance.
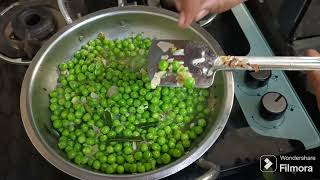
(312, 52)
(314, 76)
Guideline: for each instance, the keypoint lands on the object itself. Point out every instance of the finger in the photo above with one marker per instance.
(312, 52)
(182, 20)
(178, 5)
(202, 14)
(314, 80)
(318, 99)
(189, 19)
(191, 8)
(188, 11)
(314, 76)
(219, 6)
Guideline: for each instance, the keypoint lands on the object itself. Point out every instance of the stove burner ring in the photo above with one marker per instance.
(24, 27)
(34, 24)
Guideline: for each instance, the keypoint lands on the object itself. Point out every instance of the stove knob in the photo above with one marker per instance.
(272, 106)
(257, 79)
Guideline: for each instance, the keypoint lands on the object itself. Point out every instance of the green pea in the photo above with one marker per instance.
(202, 122)
(110, 170)
(103, 159)
(118, 147)
(127, 150)
(120, 159)
(120, 169)
(198, 129)
(176, 153)
(165, 148)
(87, 150)
(105, 129)
(111, 159)
(163, 65)
(141, 168)
(144, 147)
(138, 155)
(186, 143)
(82, 139)
(130, 158)
(156, 154)
(166, 159)
(133, 168)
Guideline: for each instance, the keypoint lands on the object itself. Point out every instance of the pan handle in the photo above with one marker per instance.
(17, 61)
(64, 11)
(120, 3)
(207, 20)
(66, 15)
(213, 171)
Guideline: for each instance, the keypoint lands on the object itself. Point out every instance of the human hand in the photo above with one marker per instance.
(314, 76)
(194, 10)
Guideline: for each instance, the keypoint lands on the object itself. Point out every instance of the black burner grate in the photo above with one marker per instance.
(26, 26)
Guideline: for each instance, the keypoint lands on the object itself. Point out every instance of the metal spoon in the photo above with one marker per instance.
(203, 63)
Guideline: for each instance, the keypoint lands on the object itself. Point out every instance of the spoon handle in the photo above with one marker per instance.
(290, 63)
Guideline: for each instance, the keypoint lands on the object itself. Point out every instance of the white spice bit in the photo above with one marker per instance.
(204, 70)
(142, 70)
(157, 79)
(203, 53)
(83, 100)
(94, 95)
(134, 146)
(95, 128)
(165, 46)
(65, 72)
(198, 61)
(170, 68)
(112, 90)
(192, 125)
(210, 72)
(165, 57)
(179, 52)
(170, 60)
(104, 62)
(75, 100)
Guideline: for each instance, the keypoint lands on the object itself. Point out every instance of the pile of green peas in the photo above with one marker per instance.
(148, 128)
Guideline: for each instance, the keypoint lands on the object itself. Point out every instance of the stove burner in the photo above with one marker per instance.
(24, 27)
(38, 23)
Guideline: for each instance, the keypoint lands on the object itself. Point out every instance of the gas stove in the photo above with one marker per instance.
(267, 116)
(25, 26)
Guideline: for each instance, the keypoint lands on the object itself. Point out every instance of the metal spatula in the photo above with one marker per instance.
(203, 63)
